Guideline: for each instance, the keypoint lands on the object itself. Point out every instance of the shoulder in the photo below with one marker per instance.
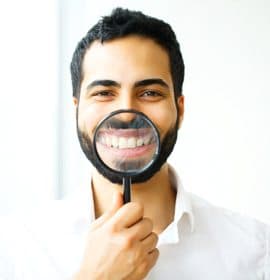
(233, 235)
(228, 224)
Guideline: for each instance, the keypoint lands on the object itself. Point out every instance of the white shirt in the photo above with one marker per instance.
(203, 242)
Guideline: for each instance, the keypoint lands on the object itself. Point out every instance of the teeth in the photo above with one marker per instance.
(123, 144)
(146, 140)
(139, 142)
(131, 142)
(108, 141)
(114, 141)
(103, 140)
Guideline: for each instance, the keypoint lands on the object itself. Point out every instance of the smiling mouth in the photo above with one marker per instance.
(126, 139)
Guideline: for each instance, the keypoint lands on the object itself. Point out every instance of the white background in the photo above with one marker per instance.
(223, 149)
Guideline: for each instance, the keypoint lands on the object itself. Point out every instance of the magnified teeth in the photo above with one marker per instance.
(139, 142)
(147, 140)
(103, 140)
(108, 141)
(123, 144)
(131, 142)
(114, 141)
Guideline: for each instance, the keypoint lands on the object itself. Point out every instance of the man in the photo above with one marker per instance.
(131, 61)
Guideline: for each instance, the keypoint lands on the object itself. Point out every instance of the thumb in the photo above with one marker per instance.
(117, 202)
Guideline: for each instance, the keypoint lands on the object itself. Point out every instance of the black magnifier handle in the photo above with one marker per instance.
(126, 186)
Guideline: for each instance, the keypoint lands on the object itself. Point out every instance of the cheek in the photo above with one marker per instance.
(88, 118)
(165, 119)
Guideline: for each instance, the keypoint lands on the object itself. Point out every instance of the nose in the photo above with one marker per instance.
(126, 117)
(127, 101)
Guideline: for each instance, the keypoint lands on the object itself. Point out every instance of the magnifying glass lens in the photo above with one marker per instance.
(127, 142)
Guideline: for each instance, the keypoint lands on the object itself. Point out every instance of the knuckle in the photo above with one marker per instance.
(155, 255)
(112, 228)
(155, 238)
(143, 268)
(137, 256)
(139, 253)
(127, 242)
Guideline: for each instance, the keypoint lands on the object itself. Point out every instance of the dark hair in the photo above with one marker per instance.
(121, 23)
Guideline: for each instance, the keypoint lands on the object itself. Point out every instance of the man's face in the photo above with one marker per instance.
(127, 73)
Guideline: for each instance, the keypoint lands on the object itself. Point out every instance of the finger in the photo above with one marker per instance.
(143, 269)
(152, 258)
(141, 229)
(150, 242)
(117, 202)
(127, 215)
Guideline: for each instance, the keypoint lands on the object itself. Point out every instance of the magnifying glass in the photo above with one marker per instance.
(127, 143)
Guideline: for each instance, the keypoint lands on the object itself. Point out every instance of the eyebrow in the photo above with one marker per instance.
(105, 83)
(148, 82)
(145, 82)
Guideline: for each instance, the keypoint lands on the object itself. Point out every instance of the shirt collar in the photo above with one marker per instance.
(81, 204)
(183, 214)
(182, 204)
(84, 208)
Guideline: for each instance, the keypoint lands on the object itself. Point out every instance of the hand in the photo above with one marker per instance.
(121, 244)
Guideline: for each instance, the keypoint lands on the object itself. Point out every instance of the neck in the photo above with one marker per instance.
(156, 195)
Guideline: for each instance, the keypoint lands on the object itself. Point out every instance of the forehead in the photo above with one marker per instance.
(131, 57)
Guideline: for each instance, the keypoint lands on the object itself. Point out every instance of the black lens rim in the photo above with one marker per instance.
(127, 173)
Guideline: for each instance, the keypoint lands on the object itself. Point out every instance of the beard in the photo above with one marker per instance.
(166, 148)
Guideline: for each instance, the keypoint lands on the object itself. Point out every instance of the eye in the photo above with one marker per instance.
(151, 95)
(104, 95)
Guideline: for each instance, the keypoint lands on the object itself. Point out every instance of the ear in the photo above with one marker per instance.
(75, 101)
(180, 103)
